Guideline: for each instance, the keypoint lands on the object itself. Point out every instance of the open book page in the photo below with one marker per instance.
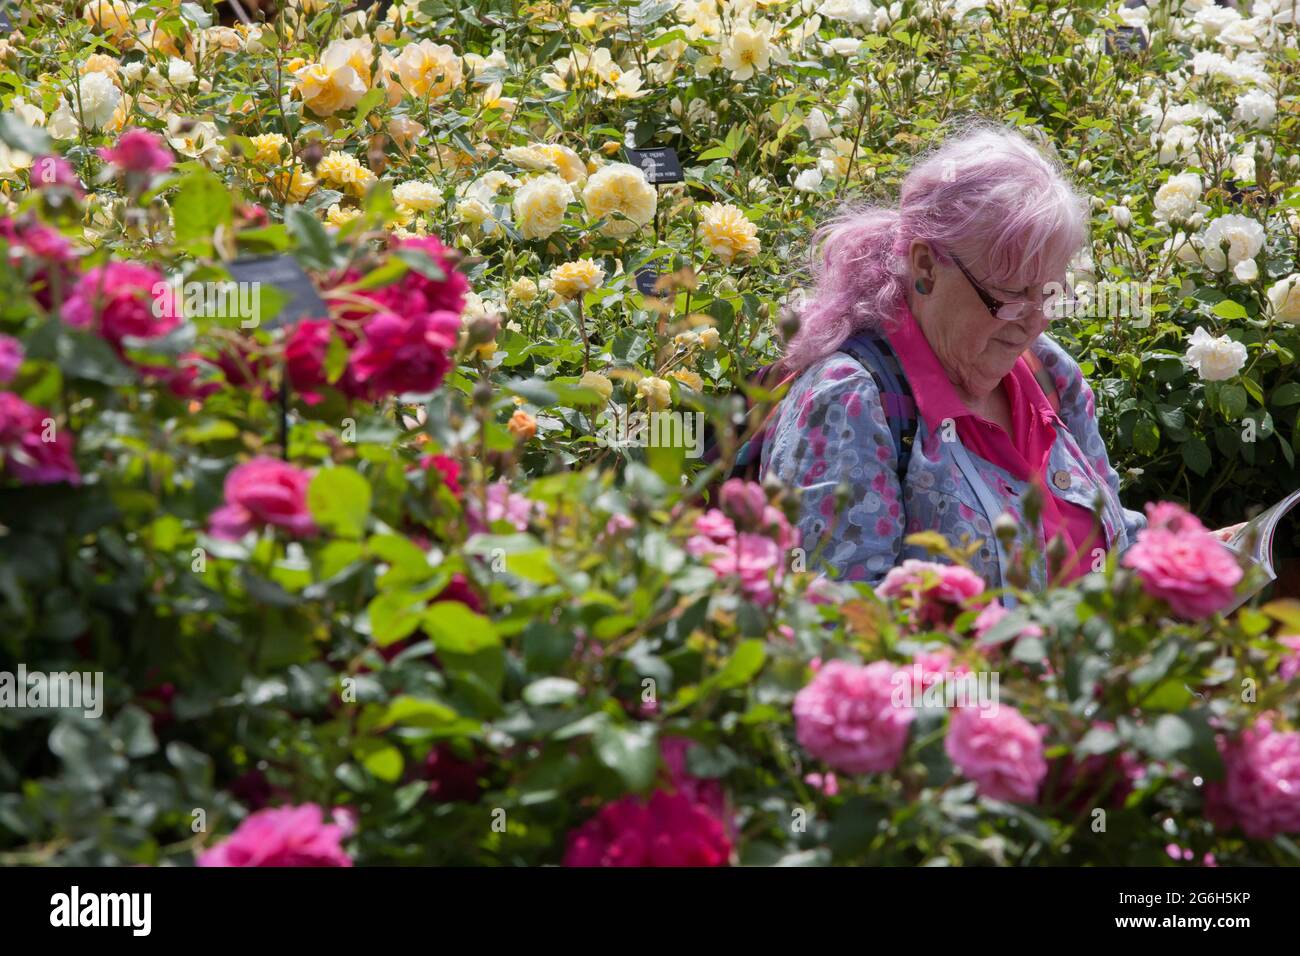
(1255, 538)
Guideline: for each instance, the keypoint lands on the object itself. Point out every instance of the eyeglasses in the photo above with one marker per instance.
(1006, 311)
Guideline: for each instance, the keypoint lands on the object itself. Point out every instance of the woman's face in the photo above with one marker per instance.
(976, 348)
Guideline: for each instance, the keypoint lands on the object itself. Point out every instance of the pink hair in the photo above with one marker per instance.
(1002, 204)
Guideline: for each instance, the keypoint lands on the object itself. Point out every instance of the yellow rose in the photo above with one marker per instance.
(726, 231)
(597, 383)
(689, 379)
(540, 205)
(710, 339)
(572, 279)
(620, 188)
(293, 186)
(111, 17)
(523, 290)
(339, 80)
(420, 196)
(428, 69)
(656, 392)
(268, 146)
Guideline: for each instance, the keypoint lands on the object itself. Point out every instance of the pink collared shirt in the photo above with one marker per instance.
(1023, 453)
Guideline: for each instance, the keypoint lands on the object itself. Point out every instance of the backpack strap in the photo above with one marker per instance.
(874, 353)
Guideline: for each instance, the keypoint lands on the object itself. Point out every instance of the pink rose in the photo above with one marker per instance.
(120, 299)
(933, 591)
(999, 750)
(744, 502)
(139, 151)
(11, 358)
(667, 830)
(757, 560)
(33, 449)
(1289, 666)
(405, 354)
(281, 836)
(846, 717)
(1260, 791)
(54, 171)
(1181, 563)
(264, 491)
(502, 505)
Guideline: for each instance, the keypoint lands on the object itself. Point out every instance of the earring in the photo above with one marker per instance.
(922, 287)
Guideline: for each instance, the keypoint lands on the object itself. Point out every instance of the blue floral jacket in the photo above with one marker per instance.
(831, 429)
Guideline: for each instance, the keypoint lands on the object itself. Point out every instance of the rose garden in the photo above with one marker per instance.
(367, 582)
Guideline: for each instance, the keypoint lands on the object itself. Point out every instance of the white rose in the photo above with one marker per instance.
(1246, 270)
(1122, 216)
(1255, 108)
(1178, 199)
(1214, 359)
(99, 98)
(1243, 235)
(1243, 168)
(818, 124)
(63, 123)
(808, 181)
(1284, 298)
(180, 72)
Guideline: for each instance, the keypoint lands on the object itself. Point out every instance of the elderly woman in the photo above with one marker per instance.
(931, 318)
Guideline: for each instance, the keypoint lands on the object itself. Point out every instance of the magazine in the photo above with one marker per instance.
(1255, 540)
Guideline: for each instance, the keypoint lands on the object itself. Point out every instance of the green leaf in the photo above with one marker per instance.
(314, 248)
(16, 134)
(1227, 309)
(744, 663)
(631, 752)
(395, 615)
(1146, 436)
(1233, 400)
(1197, 455)
(456, 629)
(201, 205)
(1288, 394)
(339, 500)
(381, 758)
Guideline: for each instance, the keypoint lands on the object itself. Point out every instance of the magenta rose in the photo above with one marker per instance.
(1182, 564)
(11, 358)
(281, 836)
(120, 299)
(1260, 791)
(998, 749)
(405, 354)
(667, 830)
(261, 492)
(139, 151)
(34, 450)
(847, 717)
(417, 293)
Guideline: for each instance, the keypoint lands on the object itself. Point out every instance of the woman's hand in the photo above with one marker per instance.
(1225, 534)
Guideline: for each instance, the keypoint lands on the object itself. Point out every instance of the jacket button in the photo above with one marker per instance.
(1061, 479)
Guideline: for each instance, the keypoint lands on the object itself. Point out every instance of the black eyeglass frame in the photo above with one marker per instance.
(990, 303)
